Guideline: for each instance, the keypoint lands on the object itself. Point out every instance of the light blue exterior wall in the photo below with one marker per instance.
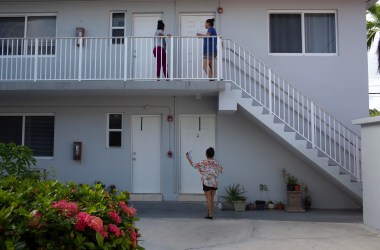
(249, 155)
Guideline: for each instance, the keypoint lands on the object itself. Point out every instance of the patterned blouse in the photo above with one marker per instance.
(209, 170)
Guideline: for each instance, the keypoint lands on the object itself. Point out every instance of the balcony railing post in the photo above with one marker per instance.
(171, 71)
(270, 90)
(35, 58)
(80, 59)
(125, 58)
(219, 59)
(312, 125)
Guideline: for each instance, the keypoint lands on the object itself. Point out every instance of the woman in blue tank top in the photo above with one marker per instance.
(209, 48)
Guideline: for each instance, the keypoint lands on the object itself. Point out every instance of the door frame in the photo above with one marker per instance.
(193, 14)
(131, 152)
(179, 186)
(141, 14)
(181, 63)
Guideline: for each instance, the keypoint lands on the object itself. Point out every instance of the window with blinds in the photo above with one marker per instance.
(36, 132)
(15, 30)
(303, 32)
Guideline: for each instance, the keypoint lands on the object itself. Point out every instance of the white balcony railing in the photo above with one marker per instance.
(131, 58)
(124, 58)
(302, 115)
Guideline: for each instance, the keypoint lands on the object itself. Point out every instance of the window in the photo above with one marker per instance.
(115, 129)
(118, 27)
(307, 33)
(42, 27)
(36, 132)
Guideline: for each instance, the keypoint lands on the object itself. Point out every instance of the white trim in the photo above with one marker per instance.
(44, 157)
(108, 130)
(302, 13)
(16, 14)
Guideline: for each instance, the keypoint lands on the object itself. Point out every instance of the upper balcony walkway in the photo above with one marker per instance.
(112, 64)
(125, 58)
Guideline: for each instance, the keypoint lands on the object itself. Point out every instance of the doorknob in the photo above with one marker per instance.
(134, 158)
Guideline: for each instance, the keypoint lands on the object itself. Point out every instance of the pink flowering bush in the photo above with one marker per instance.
(51, 215)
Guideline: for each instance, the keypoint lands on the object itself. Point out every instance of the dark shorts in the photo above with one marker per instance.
(207, 188)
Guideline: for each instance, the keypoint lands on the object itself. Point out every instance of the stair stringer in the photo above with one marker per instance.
(232, 100)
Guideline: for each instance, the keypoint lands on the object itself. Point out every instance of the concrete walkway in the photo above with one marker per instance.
(181, 226)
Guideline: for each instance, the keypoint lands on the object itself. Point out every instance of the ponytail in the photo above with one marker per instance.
(211, 22)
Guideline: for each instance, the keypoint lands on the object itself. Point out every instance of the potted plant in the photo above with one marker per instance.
(250, 206)
(235, 196)
(307, 197)
(270, 205)
(260, 204)
(291, 181)
(280, 205)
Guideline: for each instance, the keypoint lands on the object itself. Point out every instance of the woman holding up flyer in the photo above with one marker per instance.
(209, 170)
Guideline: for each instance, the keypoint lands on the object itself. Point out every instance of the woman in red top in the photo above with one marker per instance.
(209, 170)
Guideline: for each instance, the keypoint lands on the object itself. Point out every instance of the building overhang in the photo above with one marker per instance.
(112, 88)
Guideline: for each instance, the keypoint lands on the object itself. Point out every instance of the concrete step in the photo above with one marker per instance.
(235, 97)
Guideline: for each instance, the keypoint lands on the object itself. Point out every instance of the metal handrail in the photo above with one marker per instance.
(331, 137)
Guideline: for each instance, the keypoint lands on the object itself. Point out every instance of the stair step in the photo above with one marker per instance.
(332, 163)
(245, 95)
(277, 120)
(318, 159)
(299, 137)
(255, 103)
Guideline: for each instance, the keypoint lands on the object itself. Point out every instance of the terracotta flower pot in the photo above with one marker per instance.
(297, 188)
(280, 206)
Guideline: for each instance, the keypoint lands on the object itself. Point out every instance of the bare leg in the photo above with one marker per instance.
(208, 200)
(211, 65)
(206, 66)
(212, 195)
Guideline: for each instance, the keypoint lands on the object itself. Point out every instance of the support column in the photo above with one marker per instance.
(370, 132)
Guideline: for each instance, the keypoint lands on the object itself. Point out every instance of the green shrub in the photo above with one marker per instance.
(51, 215)
(16, 160)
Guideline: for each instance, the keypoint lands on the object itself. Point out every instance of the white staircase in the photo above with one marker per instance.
(256, 91)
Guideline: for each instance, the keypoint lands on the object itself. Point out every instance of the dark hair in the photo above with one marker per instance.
(160, 25)
(210, 152)
(211, 22)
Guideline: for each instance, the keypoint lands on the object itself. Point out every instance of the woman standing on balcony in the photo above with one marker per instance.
(159, 50)
(209, 170)
(209, 48)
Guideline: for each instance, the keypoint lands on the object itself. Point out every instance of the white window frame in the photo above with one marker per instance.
(114, 130)
(23, 115)
(112, 28)
(26, 15)
(302, 13)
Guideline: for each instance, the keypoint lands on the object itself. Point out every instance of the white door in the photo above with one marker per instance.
(144, 25)
(197, 135)
(146, 154)
(192, 48)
